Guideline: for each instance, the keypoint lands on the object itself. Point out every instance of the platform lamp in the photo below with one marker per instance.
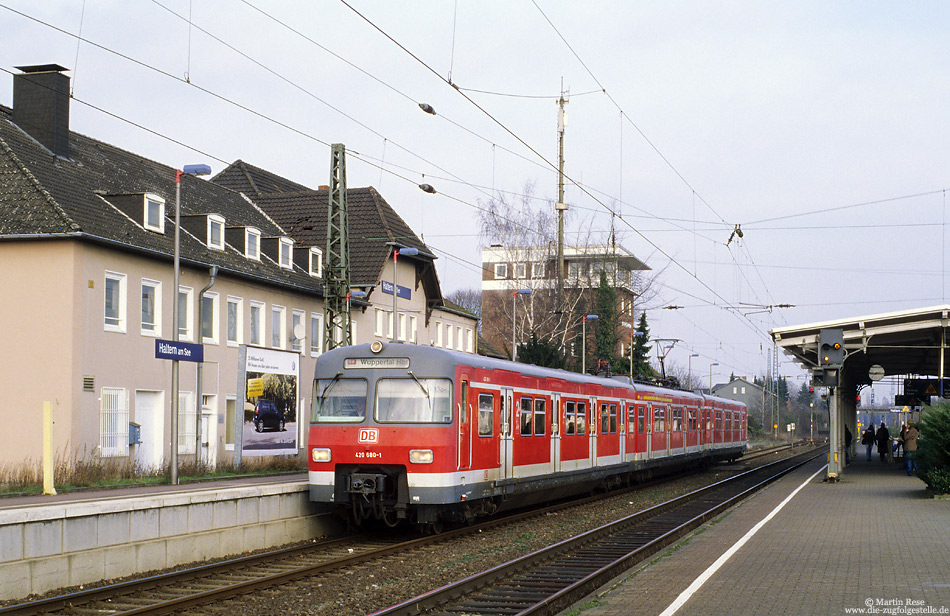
(186, 170)
(689, 369)
(406, 252)
(514, 312)
(584, 340)
(710, 376)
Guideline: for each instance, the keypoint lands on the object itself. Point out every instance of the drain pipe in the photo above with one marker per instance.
(198, 397)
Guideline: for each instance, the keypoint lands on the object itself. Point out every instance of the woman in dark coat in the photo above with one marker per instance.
(868, 440)
(883, 441)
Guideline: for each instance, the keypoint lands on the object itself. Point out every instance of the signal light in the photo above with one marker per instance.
(831, 350)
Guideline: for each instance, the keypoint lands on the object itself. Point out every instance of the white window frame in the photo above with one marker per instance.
(255, 233)
(113, 422)
(459, 341)
(413, 327)
(215, 307)
(316, 263)
(501, 270)
(160, 227)
(380, 330)
(316, 334)
(469, 340)
(521, 270)
(297, 344)
(401, 326)
(115, 322)
(238, 321)
(438, 334)
(156, 326)
(537, 270)
(257, 337)
(216, 221)
(448, 335)
(285, 253)
(278, 329)
(353, 337)
(187, 313)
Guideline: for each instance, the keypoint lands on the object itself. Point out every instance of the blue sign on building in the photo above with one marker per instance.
(182, 351)
(401, 291)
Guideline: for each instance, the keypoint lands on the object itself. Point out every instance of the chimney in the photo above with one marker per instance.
(41, 105)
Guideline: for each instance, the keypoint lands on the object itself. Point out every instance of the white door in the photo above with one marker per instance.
(150, 415)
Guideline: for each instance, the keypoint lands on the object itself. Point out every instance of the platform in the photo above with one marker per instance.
(873, 539)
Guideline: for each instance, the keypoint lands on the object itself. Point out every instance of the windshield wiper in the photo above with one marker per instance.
(421, 386)
(323, 395)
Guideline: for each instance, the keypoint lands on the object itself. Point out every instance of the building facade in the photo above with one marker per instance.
(519, 293)
(87, 238)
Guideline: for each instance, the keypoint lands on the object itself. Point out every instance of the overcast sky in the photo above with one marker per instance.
(821, 128)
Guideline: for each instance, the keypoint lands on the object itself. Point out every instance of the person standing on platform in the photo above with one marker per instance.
(883, 441)
(910, 448)
(868, 440)
(848, 437)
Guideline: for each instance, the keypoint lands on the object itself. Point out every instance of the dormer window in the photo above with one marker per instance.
(216, 232)
(252, 243)
(316, 262)
(154, 213)
(286, 253)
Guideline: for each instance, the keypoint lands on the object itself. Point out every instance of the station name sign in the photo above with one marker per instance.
(353, 363)
(180, 351)
(401, 291)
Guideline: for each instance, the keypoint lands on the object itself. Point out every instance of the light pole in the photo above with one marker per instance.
(689, 369)
(710, 376)
(514, 308)
(592, 317)
(187, 170)
(407, 252)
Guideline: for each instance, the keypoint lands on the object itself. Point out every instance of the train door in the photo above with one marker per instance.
(556, 425)
(465, 427)
(592, 430)
(647, 431)
(660, 436)
(504, 437)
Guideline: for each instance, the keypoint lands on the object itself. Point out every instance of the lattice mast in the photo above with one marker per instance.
(336, 304)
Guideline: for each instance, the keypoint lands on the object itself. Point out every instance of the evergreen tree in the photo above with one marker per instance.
(541, 353)
(641, 348)
(605, 307)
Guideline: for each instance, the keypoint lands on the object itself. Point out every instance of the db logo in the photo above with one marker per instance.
(369, 436)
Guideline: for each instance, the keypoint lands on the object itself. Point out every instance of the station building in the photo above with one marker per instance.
(86, 247)
(506, 270)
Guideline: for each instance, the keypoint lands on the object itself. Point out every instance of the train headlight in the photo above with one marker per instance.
(420, 456)
(376, 346)
(320, 455)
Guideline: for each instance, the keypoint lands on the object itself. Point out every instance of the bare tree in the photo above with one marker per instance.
(521, 240)
(469, 299)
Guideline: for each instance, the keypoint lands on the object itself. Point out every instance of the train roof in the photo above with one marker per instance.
(448, 356)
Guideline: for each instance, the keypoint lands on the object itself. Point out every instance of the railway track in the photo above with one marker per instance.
(551, 580)
(213, 583)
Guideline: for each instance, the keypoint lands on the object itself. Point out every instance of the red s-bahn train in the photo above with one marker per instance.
(427, 435)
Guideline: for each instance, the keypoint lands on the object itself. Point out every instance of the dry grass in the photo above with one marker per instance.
(81, 470)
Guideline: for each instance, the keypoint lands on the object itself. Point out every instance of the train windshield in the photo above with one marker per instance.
(339, 400)
(414, 400)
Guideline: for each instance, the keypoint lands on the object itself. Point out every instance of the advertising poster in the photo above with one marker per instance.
(270, 403)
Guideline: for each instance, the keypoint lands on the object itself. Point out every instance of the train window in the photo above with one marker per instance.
(691, 414)
(569, 417)
(581, 417)
(659, 419)
(463, 407)
(604, 419)
(414, 400)
(718, 420)
(631, 419)
(486, 414)
(539, 416)
(526, 417)
(641, 419)
(613, 418)
(677, 420)
(339, 400)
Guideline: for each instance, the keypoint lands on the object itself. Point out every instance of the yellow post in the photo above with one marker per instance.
(48, 449)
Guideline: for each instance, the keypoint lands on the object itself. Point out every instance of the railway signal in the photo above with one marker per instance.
(831, 348)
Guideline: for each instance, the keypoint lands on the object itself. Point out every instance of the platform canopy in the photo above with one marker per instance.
(909, 342)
